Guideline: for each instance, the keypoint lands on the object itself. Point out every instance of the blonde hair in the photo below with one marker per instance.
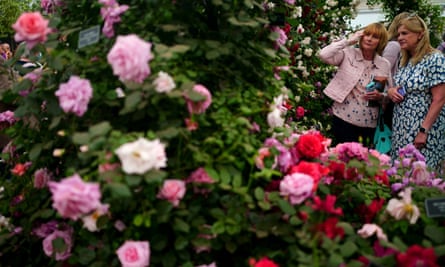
(392, 29)
(378, 30)
(414, 23)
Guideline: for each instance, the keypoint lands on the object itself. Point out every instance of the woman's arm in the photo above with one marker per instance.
(333, 54)
(437, 103)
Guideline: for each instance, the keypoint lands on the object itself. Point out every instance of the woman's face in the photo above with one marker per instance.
(370, 41)
(407, 39)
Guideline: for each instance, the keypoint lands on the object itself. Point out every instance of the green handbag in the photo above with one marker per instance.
(382, 135)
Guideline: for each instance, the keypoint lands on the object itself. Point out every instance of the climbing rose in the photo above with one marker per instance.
(297, 187)
(41, 178)
(32, 28)
(417, 256)
(75, 95)
(73, 198)
(67, 239)
(129, 58)
(134, 254)
(164, 83)
(141, 156)
(172, 190)
(198, 107)
(263, 262)
(310, 145)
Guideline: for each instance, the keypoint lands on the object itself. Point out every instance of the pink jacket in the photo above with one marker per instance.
(351, 64)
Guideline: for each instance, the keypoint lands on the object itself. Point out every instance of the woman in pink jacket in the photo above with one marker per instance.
(354, 119)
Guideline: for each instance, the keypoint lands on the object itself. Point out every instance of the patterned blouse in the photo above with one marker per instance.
(354, 109)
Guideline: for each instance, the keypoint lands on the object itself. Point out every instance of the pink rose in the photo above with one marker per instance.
(111, 12)
(297, 187)
(172, 190)
(75, 95)
(41, 178)
(32, 28)
(72, 197)
(49, 6)
(198, 107)
(129, 58)
(200, 176)
(48, 244)
(134, 254)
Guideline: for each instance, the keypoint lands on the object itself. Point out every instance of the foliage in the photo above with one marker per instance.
(10, 10)
(432, 14)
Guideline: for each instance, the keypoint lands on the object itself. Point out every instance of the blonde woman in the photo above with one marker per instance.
(419, 94)
(358, 60)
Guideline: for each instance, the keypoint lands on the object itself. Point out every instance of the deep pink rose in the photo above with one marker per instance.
(50, 5)
(72, 197)
(172, 190)
(299, 112)
(48, 244)
(32, 28)
(129, 58)
(41, 178)
(111, 12)
(198, 107)
(297, 187)
(134, 254)
(75, 95)
(200, 176)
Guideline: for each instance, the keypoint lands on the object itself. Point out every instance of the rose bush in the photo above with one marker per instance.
(184, 137)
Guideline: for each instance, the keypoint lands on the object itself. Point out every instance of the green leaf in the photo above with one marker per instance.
(154, 176)
(81, 138)
(168, 133)
(179, 48)
(225, 176)
(86, 255)
(35, 151)
(181, 225)
(347, 249)
(118, 190)
(218, 228)
(212, 173)
(181, 243)
(259, 193)
(439, 250)
(59, 245)
(131, 102)
(335, 260)
(435, 233)
(133, 180)
(138, 220)
(286, 207)
(100, 129)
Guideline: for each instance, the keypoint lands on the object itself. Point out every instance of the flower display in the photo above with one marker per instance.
(134, 254)
(72, 197)
(198, 107)
(129, 57)
(172, 190)
(164, 83)
(142, 155)
(32, 28)
(75, 95)
(48, 246)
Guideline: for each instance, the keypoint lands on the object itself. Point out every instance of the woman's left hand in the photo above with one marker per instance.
(420, 140)
(374, 95)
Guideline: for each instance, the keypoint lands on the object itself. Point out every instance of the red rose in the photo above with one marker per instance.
(310, 145)
(417, 256)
